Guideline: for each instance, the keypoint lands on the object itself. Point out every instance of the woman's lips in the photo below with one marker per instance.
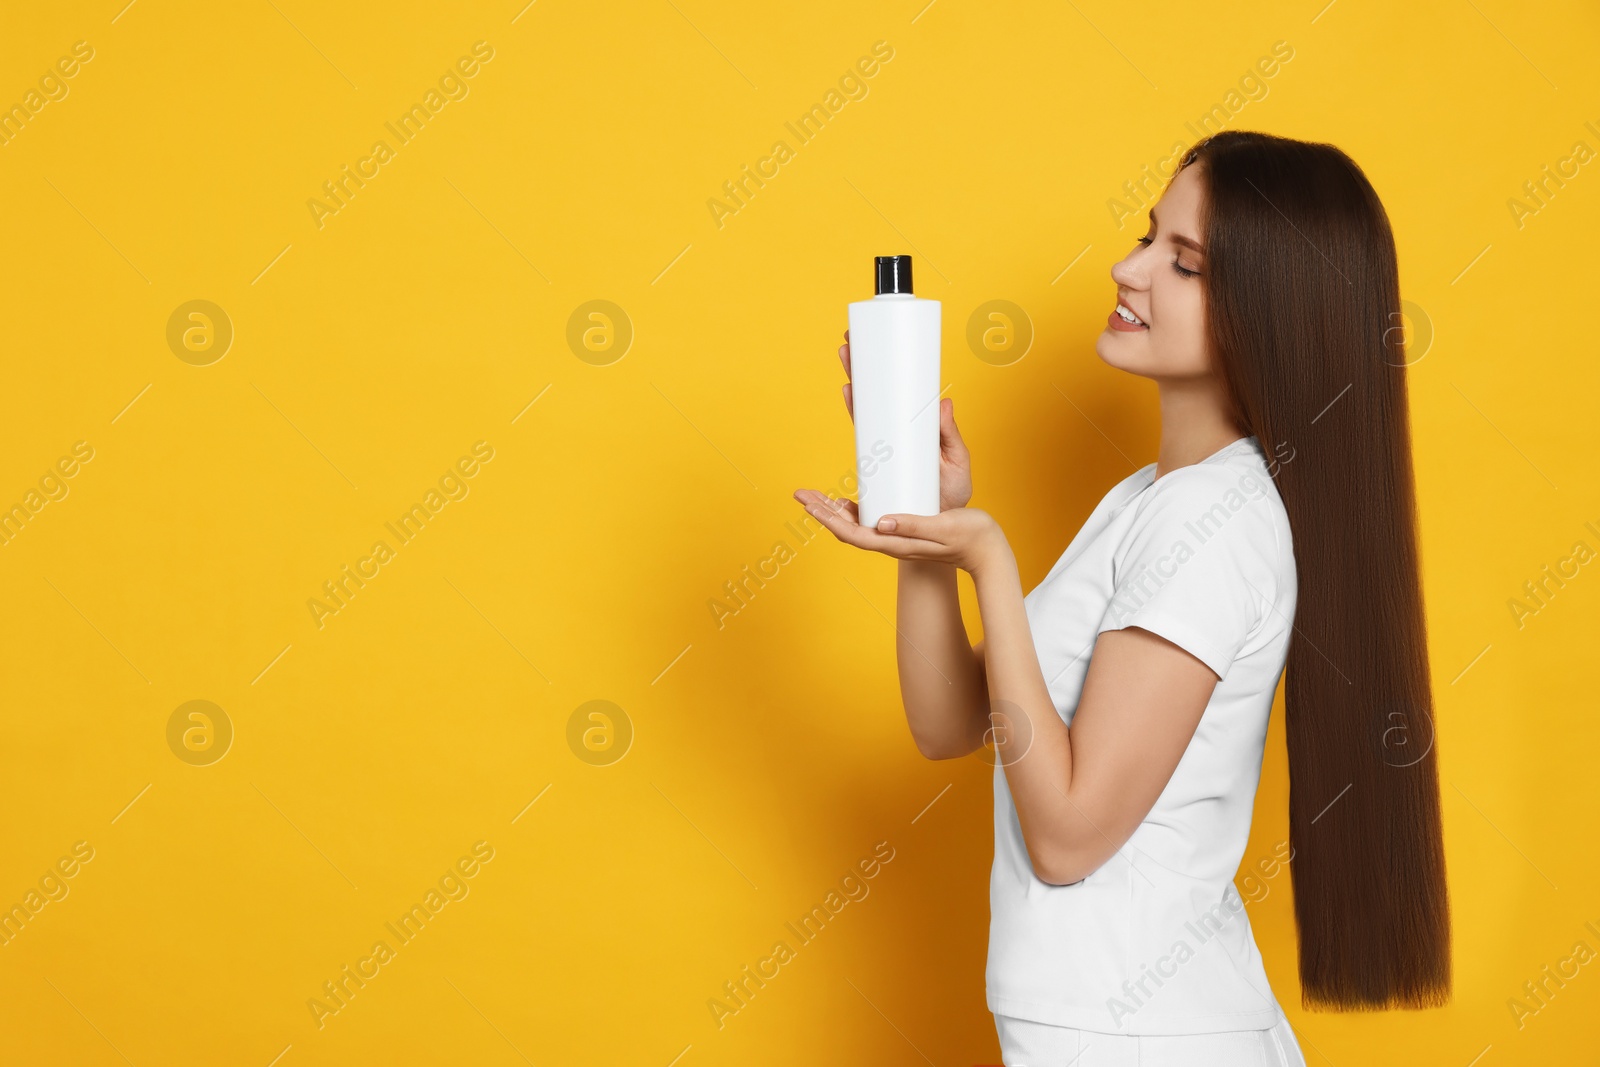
(1117, 322)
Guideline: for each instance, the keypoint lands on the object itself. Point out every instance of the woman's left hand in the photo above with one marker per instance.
(966, 537)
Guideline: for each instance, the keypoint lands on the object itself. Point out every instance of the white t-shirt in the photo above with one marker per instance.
(1157, 940)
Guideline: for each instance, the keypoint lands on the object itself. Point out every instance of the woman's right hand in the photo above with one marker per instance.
(955, 462)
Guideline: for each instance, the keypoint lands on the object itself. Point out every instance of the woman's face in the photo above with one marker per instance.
(1159, 283)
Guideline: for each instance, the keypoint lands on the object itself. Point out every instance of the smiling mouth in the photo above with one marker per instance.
(1129, 317)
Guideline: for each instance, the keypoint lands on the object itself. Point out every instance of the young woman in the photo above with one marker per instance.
(1125, 699)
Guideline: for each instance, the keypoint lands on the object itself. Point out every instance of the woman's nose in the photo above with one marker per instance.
(1128, 271)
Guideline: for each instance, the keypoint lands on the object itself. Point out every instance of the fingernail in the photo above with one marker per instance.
(886, 525)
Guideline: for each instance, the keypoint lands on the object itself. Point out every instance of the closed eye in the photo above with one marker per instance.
(1182, 271)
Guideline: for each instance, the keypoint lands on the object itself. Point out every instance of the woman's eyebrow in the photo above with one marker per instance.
(1180, 239)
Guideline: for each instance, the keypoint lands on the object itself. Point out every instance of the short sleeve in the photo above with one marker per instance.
(1198, 563)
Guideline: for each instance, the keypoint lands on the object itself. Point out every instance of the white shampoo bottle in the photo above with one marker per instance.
(894, 375)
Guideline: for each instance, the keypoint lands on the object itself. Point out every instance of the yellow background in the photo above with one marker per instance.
(769, 755)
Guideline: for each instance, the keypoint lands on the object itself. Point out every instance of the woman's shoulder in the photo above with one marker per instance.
(1231, 490)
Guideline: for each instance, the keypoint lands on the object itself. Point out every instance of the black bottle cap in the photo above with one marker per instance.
(894, 274)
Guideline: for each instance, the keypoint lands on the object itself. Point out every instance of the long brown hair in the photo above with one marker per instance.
(1304, 319)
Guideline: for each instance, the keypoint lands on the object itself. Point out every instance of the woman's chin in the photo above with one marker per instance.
(1111, 352)
(1115, 350)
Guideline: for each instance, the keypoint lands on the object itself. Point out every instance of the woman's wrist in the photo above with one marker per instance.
(992, 556)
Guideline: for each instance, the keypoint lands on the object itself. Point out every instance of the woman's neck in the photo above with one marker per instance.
(1194, 422)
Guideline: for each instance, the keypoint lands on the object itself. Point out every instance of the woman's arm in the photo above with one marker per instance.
(1081, 792)
(941, 675)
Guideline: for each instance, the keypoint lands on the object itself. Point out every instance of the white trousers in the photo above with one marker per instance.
(1025, 1043)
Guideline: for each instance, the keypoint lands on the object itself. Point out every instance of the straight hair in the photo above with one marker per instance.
(1304, 322)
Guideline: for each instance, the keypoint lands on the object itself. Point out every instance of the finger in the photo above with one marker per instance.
(838, 521)
(844, 357)
(950, 442)
(849, 400)
(843, 507)
(839, 517)
(913, 527)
